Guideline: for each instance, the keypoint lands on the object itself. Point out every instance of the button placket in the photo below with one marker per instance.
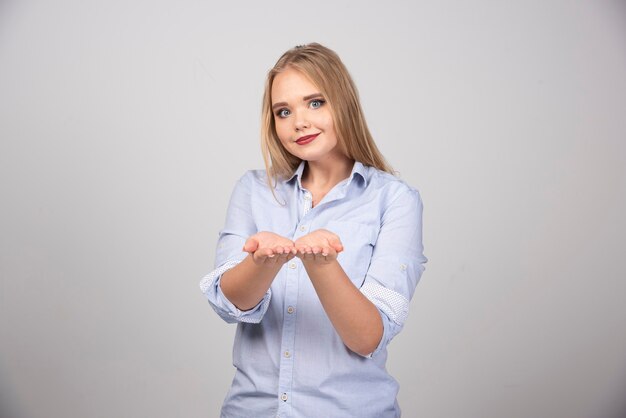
(285, 379)
(308, 202)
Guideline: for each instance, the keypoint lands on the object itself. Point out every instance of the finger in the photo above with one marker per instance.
(283, 257)
(305, 251)
(251, 245)
(330, 253)
(322, 258)
(260, 256)
(335, 243)
(290, 252)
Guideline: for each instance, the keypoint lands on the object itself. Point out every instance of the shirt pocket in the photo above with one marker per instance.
(358, 243)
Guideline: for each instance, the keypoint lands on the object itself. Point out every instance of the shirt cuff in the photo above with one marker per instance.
(392, 303)
(393, 309)
(210, 286)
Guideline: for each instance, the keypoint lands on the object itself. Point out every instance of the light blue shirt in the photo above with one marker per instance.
(289, 360)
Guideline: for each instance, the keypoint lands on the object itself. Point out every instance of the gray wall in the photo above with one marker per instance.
(124, 126)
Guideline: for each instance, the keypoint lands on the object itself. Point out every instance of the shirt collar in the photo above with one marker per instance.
(361, 170)
(298, 173)
(357, 169)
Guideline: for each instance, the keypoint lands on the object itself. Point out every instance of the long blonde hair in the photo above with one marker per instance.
(325, 69)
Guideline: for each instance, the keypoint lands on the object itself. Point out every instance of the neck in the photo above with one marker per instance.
(325, 174)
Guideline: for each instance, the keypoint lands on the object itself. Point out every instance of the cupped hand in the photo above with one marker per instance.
(320, 246)
(269, 248)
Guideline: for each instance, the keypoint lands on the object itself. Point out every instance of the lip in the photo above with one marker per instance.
(303, 140)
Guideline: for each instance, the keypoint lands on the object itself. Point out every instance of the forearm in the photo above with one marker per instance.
(245, 284)
(354, 317)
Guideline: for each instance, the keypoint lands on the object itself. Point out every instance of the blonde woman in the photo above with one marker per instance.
(320, 254)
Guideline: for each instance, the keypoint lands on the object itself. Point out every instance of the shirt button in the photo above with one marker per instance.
(283, 397)
(287, 354)
(290, 309)
(403, 267)
(303, 228)
(292, 265)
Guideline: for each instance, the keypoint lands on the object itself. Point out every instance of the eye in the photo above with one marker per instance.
(316, 103)
(283, 113)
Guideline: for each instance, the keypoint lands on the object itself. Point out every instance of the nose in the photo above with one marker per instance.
(301, 121)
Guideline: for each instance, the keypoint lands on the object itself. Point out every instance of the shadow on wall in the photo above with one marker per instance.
(8, 409)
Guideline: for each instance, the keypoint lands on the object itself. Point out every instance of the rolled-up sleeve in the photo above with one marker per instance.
(397, 262)
(239, 226)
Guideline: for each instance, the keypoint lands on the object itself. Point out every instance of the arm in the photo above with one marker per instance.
(397, 262)
(246, 283)
(240, 243)
(354, 317)
(395, 268)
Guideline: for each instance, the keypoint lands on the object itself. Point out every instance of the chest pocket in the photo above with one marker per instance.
(358, 243)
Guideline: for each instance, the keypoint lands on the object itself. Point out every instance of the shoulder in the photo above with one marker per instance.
(390, 187)
(251, 177)
(257, 181)
(256, 184)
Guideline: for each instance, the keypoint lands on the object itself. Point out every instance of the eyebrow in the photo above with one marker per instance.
(304, 99)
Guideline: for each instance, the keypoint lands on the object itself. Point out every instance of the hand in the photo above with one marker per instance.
(268, 248)
(320, 246)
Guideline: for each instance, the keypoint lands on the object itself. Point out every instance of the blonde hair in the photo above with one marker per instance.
(325, 69)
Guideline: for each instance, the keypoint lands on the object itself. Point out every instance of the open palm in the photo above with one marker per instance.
(320, 246)
(269, 248)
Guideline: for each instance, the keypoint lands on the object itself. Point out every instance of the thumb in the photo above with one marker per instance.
(336, 244)
(251, 245)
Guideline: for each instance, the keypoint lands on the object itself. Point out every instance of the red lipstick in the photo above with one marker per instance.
(306, 139)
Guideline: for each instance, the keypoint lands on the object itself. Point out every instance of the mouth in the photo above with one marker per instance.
(306, 139)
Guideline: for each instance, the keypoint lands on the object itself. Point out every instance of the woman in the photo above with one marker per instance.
(320, 254)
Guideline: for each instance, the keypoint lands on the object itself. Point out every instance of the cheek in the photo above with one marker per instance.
(327, 122)
(329, 127)
(281, 131)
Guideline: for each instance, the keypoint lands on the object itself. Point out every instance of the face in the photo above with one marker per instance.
(303, 118)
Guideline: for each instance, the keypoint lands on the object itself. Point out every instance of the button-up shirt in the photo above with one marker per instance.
(289, 359)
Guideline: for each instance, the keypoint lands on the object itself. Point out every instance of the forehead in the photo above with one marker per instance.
(292, 84)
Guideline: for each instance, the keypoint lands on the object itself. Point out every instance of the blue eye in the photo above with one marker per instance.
(317, 103)
(283, 113)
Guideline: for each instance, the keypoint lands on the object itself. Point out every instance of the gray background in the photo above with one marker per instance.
(124, 126)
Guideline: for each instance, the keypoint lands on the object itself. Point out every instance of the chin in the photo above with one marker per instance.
(311, 157)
